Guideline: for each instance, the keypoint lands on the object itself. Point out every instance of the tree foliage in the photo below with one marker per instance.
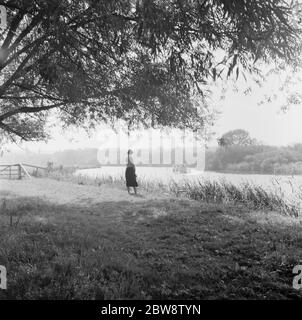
(256, 159)
(136, 60)
(238, 137)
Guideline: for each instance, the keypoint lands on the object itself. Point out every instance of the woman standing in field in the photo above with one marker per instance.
(130, 173)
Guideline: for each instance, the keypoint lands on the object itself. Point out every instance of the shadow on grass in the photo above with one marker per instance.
(172, 248)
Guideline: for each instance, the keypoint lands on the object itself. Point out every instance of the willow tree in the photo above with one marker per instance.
(140, 61)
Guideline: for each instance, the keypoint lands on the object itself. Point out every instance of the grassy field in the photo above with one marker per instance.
(62, 240)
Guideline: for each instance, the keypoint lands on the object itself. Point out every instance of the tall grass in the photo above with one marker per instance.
(209, 191)
(253, 196)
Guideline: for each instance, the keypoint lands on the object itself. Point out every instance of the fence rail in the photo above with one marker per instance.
(17, 171)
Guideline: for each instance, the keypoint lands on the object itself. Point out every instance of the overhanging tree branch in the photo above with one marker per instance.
(100, 59)
(26, 110)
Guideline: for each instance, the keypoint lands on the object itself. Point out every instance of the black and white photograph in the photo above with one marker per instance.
(150, 150)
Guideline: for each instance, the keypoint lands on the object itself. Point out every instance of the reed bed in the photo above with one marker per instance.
(209, 191)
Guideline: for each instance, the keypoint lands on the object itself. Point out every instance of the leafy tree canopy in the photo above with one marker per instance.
(238, 137)
(137, 60)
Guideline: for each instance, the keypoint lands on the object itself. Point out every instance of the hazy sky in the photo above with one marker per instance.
(265, 122)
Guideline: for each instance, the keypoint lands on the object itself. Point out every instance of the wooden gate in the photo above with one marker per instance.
(17, 171)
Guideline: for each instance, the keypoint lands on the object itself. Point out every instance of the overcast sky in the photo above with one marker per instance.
(265, 122)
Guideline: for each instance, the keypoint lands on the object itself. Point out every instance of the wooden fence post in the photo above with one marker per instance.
(25, 171)
(19, 172)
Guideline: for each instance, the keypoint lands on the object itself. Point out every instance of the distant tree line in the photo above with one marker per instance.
(239, 153)
(67, 158)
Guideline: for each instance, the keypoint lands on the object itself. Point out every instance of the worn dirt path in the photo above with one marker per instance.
(60, 192)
